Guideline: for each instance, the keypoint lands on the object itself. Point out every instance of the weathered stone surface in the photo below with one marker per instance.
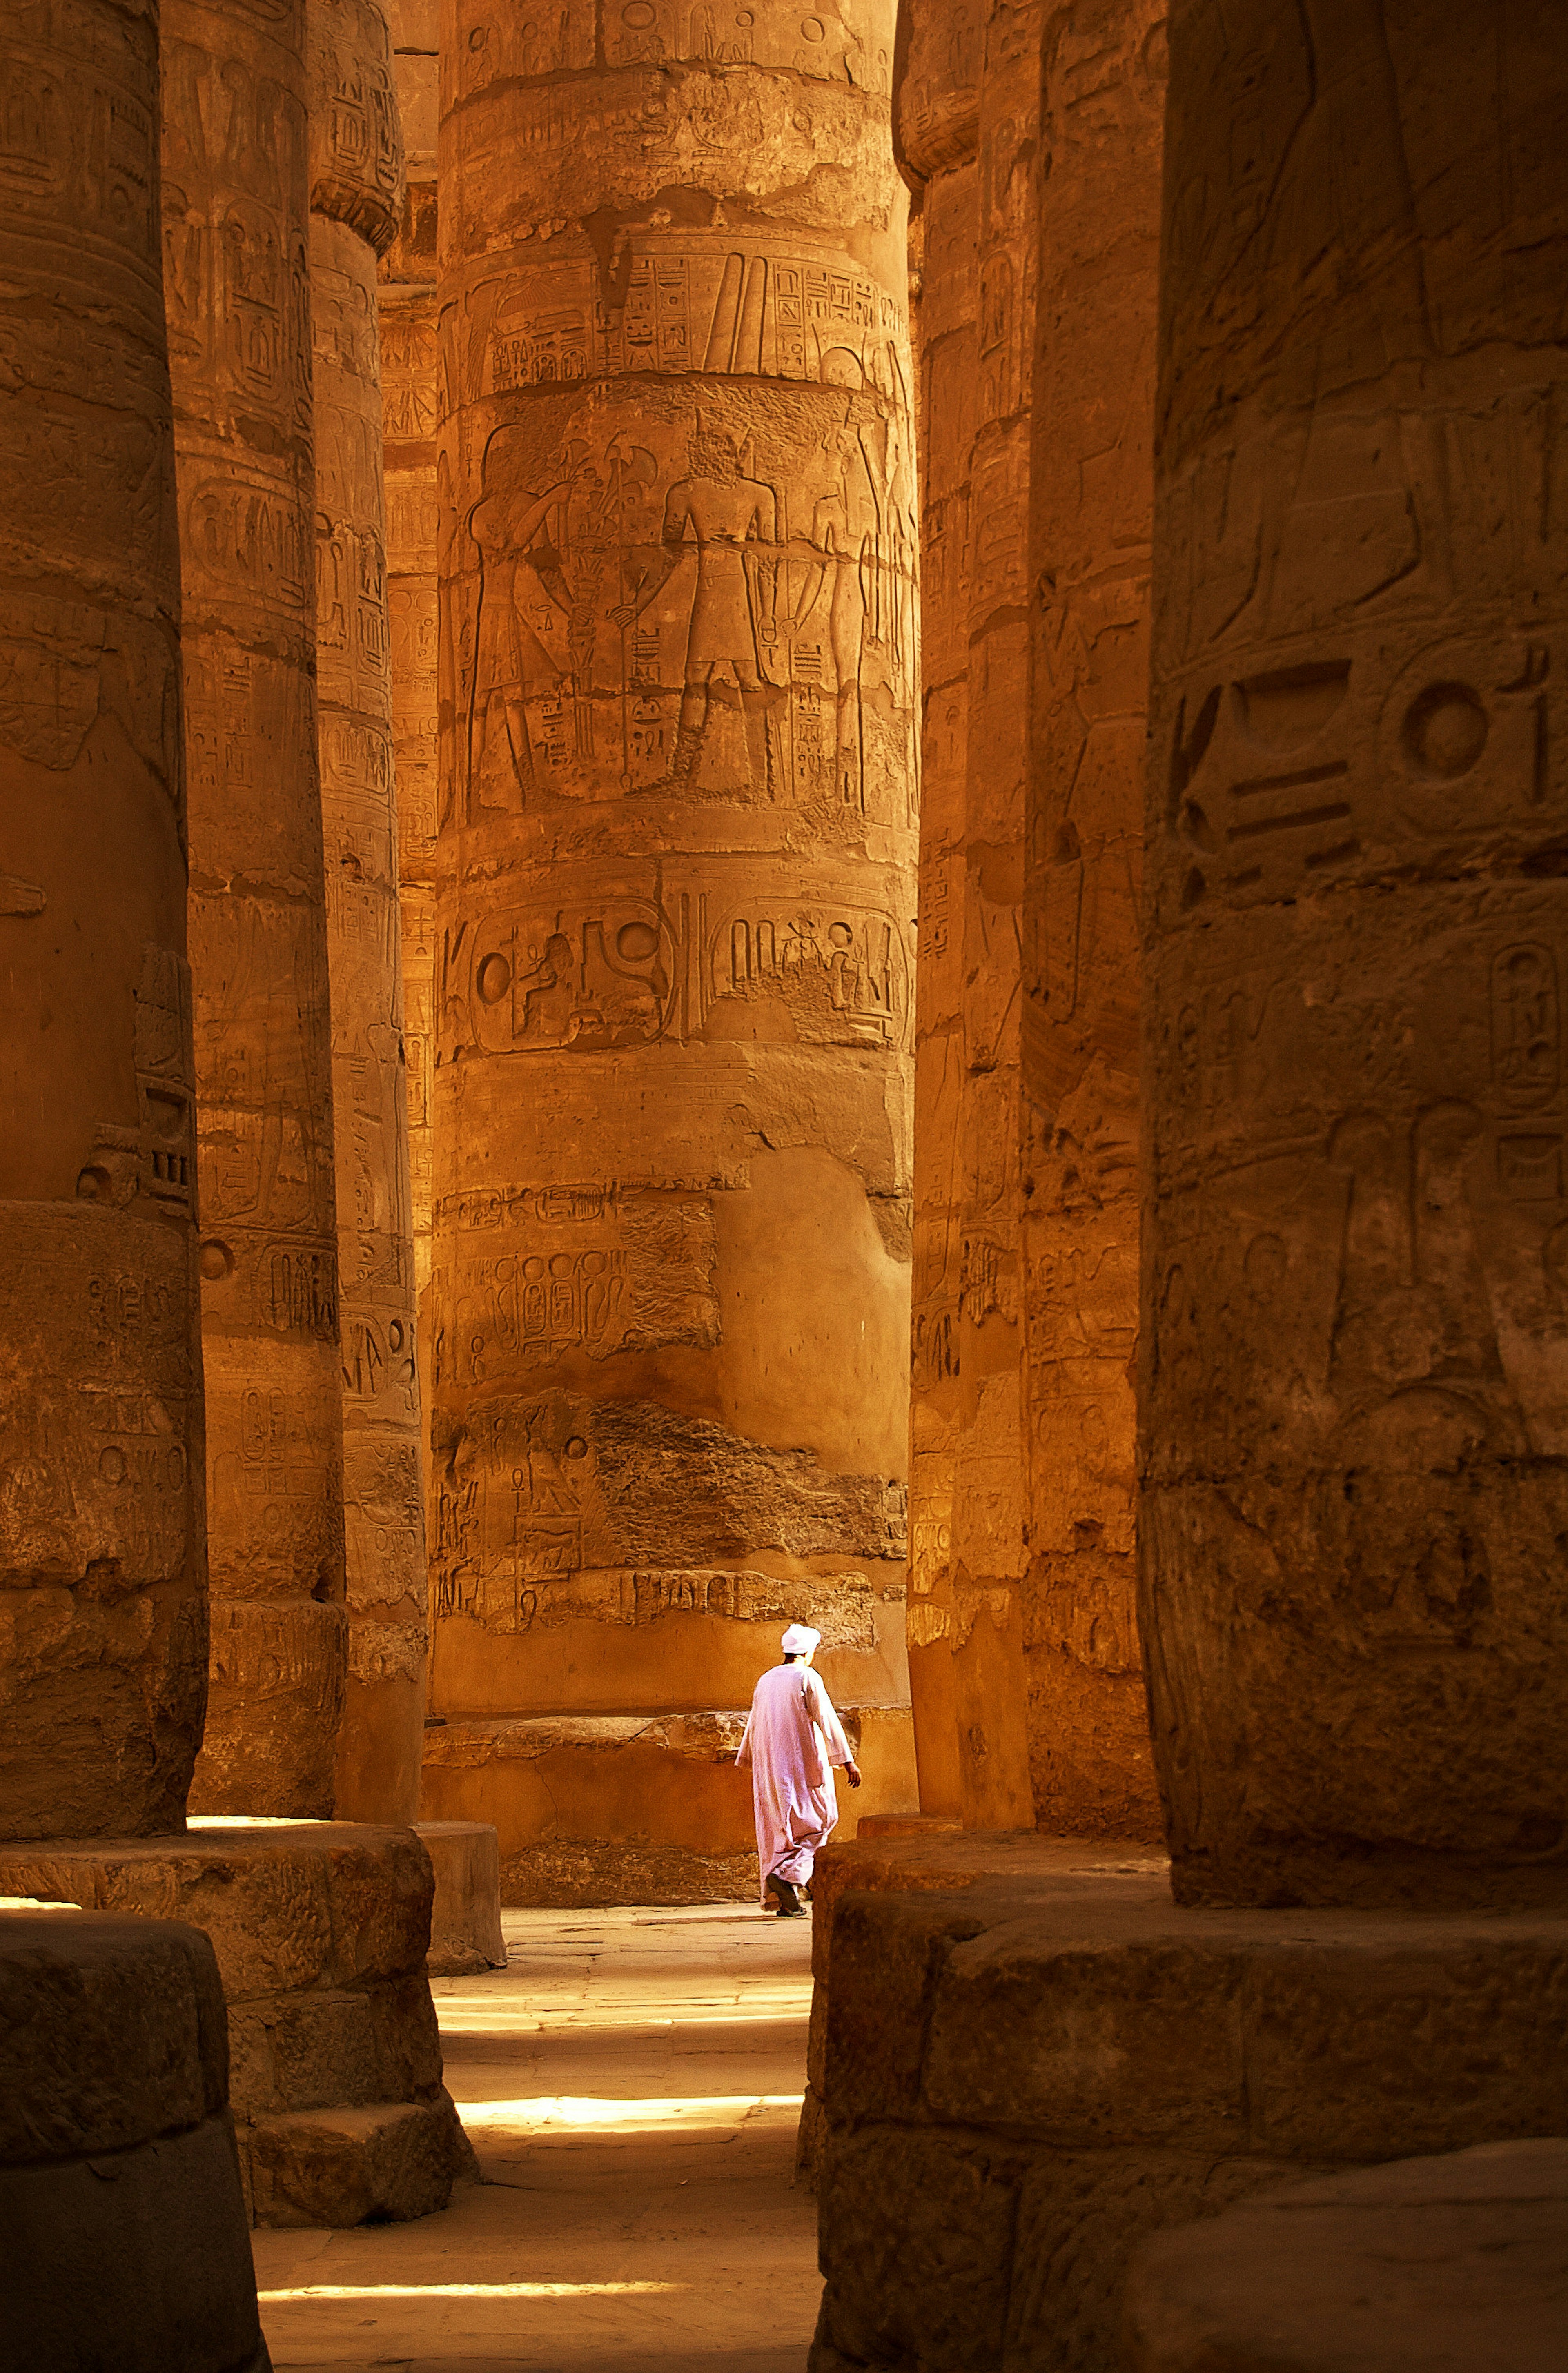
(1072, 2061)
(1351, 1402)
(356, 201)
(1436, 2265)
(674, 972)
(354, 2167)
(465, 1918)
(320, 1932)
(632, 1808)
(111, 2031)
(1090, 480)
(121, 2210)
(968, 115)
(102, 1567)
(237, 282)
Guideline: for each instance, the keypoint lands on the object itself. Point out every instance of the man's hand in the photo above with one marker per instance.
(852, 1773)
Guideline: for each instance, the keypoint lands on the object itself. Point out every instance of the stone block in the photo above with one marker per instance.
(1063, 2059)
(320, 1931)
(110, 2031)
(465, 1919)
(123, 2227)
(1458, 2263)
(384, 2163)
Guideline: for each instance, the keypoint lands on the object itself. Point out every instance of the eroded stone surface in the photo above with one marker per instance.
(320, 1931)
(1352, 1399)
(237, 280)
(967, 117)
(1459, 2263)
(356, 200)
(102, 1565)
(1025, 2078)
(121, 2209)
(673, 991)
(1092, 496)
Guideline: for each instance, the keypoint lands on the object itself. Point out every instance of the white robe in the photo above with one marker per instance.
(792, 1740)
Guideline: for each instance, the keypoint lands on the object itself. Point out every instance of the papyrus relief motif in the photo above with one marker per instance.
(1354, 1323)
(237, 275)
(357, 186)
(670, 999)
(102, 1567)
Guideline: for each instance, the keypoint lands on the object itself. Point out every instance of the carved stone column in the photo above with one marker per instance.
(968, 112)
(1355, 1395)
(674, 964)
(1092, 496)
(409, 413)
(102, 1569)
(356, 200)
(235, 203)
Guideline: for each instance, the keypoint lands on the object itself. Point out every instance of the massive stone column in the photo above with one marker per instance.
(356, 201)
(1355, 1391)
(102, 1567)
(235, 205)
(675, 959)
(968, 112)
(1091, 498)
(409, 413)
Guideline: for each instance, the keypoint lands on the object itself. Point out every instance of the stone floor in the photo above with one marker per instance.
(631, 2083)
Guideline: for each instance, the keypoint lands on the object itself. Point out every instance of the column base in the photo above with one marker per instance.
(321, 1930)
(465, 1921)
(597, 1809)
(1459, 2262)
(122, 2228)
(1025, 2074)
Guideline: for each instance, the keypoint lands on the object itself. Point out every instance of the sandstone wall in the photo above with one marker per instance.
(1092, 498)
(1354, 1295)
(102, 1562)
(674, 964)
(356, 201)
(237, 289)
(967, 133)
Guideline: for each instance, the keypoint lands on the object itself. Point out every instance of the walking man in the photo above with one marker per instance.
(792, 1740)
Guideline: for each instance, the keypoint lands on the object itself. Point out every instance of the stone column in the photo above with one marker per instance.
(1091, 498)
(409, 413)
(102, 1566)
(235, 203)
(1355, 1385)
(356, 202)
(675, 959)
(968, 130)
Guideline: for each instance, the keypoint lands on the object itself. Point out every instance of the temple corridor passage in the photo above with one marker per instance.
(631, 2084)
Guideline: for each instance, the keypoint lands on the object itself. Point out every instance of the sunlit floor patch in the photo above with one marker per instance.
(466, 2291)
(564, 2109)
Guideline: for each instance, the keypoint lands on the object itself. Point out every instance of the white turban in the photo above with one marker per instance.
(799, 1640)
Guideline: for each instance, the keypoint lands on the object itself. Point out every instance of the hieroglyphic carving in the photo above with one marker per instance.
(1354, 1328)
(676, 535)
(102, 1567)
(235, 193)
(968, 123)
(355, 199)
(1092, 512)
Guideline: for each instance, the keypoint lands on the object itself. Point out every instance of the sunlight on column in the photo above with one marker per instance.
(578, 2110)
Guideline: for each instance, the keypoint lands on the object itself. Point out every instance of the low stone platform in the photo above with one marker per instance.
(124, 2236)
(465, 1919)
(596, 1809)
(1028, 2058)
(320, 1930)
(1456, 2264)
